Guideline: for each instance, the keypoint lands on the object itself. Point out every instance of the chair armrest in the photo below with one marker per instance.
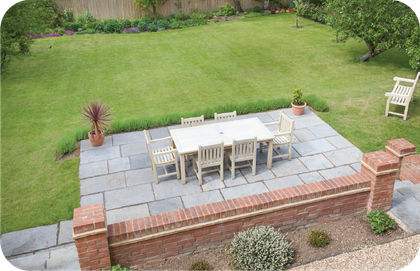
(161, 139)
(404, 79)
(396, 95)
(271, 123)
(282, 134)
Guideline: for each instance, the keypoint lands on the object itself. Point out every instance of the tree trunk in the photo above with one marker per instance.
(154, 13)
(266, 4)
(371, 52)
(297, 20)
(238, 6)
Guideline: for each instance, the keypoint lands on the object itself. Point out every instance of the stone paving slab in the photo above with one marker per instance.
(127, 213)
(102, 183)
(313, 147)
(407, 208)
(322, 131)
(65, 232)
(134, 149)
(140, 161)
(139, 176)
(243, 190)
(100, 155)
(400, 184)
(211, 181)
(85, 145)
(316, 162)
(174, 188)
(263, 173)
(202, 198)
(337, 172)
(239, 179)
(93, 169)
(339, 142)
(263, 117)
(59, 258)
(284, 182)
(357, 167)
(91, 199)
(159, 133)
(31, 262)
(173, 127)
(308, 121)
(119, 164)
(285, 167)
(344, 156)
(289, 112)
(19, 242)
(410, 190)
(304, 135)
(166, 205)
(311, 177)
(128, 196)
(128, 138)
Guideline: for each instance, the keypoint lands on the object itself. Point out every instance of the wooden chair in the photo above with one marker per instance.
(208, 156)
(162, 156)
(401, 95)
(224, 117)
(191, 122)
(242, 150)
(283, 136)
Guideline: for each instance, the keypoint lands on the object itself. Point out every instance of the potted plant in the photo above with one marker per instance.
(97, 115)
(297, 104)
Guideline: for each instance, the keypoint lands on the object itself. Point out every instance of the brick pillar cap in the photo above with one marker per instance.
(401, 146)
(380, 161)
(88, 218)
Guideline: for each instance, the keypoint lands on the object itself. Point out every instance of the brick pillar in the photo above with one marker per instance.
(399, 148)
(381, 169)
(90, 235)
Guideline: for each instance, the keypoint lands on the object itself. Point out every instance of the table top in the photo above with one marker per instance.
(187, 140)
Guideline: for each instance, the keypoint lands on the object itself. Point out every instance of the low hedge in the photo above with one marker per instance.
(68, 142)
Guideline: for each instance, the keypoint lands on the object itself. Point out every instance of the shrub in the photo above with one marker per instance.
(67, 143)
(142, 26)
(260, 248)
(292, 4)
(380, 221)
(316, 103)
(91, 25)
(68, 15)
(130, 30)
(74, 26)
(100, 27)
(135, 23)
(90, 31)
(152, 28)
(256, 9)
(174, 24)
(112, 27)
(88, 17)
(47, 31)
(198, 16)
(119, 268)
(60, 31)
(126, 23)
(227, 10)
(318, 238)
(80, 19)
(147, 20)
(200, 265)
(297, 96)
(162, 23)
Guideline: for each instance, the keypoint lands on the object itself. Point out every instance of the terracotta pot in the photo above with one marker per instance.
(97, 141)
(298, 109)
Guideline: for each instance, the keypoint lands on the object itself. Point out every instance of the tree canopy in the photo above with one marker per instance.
(381, 24)
(147, 4)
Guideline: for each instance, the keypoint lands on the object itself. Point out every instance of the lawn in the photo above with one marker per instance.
(178, 71)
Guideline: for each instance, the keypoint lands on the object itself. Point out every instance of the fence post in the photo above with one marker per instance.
(90, 235)
(399, 148)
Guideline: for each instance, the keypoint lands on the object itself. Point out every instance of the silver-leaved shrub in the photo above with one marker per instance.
(261, 248)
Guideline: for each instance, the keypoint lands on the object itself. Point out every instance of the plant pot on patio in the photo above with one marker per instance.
(97, 140)
(298, 109)
(297, 104)
(97, 114)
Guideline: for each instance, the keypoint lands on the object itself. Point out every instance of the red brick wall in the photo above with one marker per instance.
(410, 169)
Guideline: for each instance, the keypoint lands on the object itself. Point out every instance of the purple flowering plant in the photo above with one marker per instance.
(129, 30)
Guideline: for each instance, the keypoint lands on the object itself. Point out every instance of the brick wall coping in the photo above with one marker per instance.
(397, 154)
(88, 233)
(133, 231)
(380, 172)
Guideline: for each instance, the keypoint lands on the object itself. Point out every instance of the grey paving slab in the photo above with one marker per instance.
(339, 142)
(262, 157)
(417, 197)
(304, 135)
(61, 257)
(399, 184)
(410, 190)
(65, 234)
(396, 194)
(128, 196)
(311, 177)
(128, 138)
(93, 169)
(166, 205)
(306, 113)
(284, 182)
(91, 199)
(85, 145)
(74, 266)
(316, 162)
(357, 167)
(239, 179)
(313, 147)
(127, 213)
(134, 149)
(102, 183)
(119, 164)
(285, 167)
(19, 242)
(212, 181)
(344, 156)
(263, 173)
(322, 131)
(263, 117)
(100, 154)
(174, 188)
(337, 172)
(202, 198)
(173, 127)
(159, 133)
(140, 161)
(309, 121)
(243, 190)
(139, 176)
(31, 262)
(407, 208)
(285, 150)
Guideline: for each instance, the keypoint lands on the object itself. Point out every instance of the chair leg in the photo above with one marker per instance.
(155, 174)
(387, 108)
(233, 170)
(406, 112)
(177, 169)
(226, 160)
(261, 144)
(188, 160)
(221, 171)
(254, 166)
(200, 176)
(290, 151)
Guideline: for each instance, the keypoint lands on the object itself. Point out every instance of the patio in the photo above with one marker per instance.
(119, 175)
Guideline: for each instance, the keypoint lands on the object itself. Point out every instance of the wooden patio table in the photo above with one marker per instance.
(187, 140)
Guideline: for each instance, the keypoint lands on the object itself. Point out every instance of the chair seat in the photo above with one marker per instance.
(213, 163)
(239, 158)
(163, 159)
(280, 140)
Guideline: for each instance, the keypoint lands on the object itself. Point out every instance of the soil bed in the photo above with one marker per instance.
(348, 233)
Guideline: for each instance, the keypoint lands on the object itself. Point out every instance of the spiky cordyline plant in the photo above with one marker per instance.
(97, 114)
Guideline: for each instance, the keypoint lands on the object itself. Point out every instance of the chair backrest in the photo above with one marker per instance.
(286, 125)
(416, 80)
(246, 148)
(191, 122)
(225, 117)
(211, 154)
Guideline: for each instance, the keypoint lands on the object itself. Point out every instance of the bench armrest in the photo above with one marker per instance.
(404, 79)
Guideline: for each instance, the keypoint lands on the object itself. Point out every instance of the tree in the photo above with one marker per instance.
(238, 6)
(412, 47)
(147, 4)
(381, 24)
(22, 19)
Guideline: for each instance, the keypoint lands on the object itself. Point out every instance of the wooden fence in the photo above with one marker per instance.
(126, 9)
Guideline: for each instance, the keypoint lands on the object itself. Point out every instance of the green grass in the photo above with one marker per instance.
(149, 75)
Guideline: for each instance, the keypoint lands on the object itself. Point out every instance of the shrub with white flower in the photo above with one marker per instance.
(261, 248)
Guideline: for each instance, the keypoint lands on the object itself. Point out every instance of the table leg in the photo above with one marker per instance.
(270, 154)
(182, 162)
